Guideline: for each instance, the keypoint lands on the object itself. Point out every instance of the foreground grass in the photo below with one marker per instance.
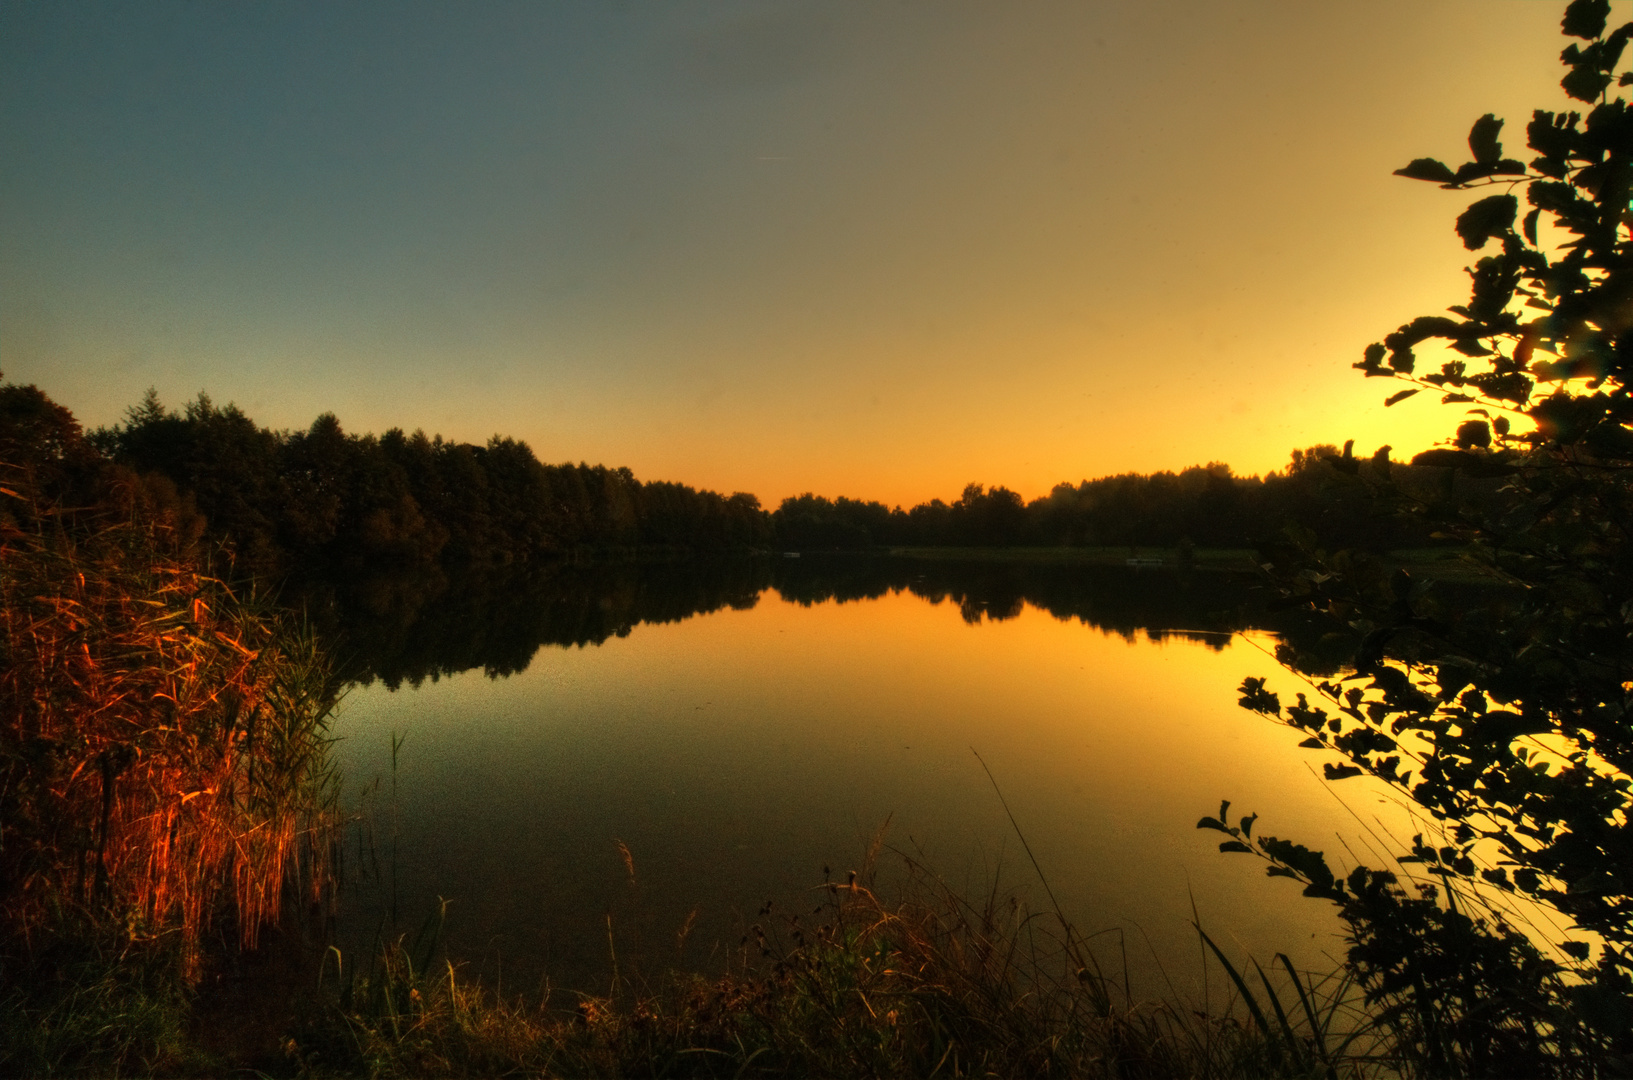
(930, 985)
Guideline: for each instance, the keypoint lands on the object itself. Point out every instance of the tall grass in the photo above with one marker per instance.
(930, 983)
(162, 741)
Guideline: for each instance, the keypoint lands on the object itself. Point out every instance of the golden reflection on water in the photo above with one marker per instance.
(737, 753)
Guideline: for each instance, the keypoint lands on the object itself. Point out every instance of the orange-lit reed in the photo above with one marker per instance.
(162, 743)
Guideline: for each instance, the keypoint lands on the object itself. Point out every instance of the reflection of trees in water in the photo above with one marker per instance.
(424, 624)
(1157, 604)
(408, 628)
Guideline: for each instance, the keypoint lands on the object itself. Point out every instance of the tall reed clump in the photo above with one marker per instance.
(162, 741)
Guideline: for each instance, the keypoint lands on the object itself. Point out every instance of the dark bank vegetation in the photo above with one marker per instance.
(1499, 938)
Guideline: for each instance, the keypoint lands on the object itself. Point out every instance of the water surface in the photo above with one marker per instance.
(736, 751)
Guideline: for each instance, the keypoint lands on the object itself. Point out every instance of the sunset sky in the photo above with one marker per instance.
(870, 249)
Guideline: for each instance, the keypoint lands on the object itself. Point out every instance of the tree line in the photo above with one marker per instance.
(1321, 493)
(325, 496)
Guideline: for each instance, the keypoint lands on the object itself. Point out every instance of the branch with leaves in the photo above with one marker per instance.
(1504, 712)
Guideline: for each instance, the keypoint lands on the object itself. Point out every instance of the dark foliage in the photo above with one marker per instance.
(1205, 506)
(322, 496)
(1505, 718)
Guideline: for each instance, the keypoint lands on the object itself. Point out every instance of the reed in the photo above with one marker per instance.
(162, 739)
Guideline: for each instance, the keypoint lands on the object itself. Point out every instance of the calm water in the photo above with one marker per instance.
(737, 746)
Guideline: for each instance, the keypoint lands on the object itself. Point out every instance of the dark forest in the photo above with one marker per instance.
(282, 499)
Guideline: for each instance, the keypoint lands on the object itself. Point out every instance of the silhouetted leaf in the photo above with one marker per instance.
(1424, 168)
(1509, 386)
(1584, 83)
(1402, 396)
(1472, 170)
(1235, 845)
(1483, 142)
(1491, 216)
(1339, 772)
(1256, 698)
(1472, 433)
(1585, 18)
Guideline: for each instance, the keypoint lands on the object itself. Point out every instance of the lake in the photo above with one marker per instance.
(738, 729)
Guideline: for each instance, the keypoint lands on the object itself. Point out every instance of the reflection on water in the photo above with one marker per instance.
(758, 726)
(413, 627)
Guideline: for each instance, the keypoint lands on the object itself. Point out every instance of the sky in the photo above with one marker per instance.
(872, 249)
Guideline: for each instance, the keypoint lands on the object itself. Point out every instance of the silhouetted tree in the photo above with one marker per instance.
(1506, 717)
